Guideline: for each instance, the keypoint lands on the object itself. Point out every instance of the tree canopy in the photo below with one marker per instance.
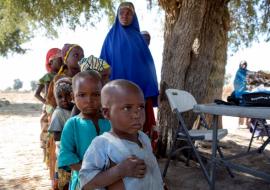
(17, 84)
(20, 19)
(248, 20)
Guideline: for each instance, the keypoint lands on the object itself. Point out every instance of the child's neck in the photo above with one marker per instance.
(131, 137)
(94, 116)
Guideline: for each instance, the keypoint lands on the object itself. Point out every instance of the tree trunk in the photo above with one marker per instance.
(194, 56)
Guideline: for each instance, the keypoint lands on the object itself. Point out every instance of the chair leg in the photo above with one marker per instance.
(169, 158)
(252, 137)
(261, 149)
(227, 168)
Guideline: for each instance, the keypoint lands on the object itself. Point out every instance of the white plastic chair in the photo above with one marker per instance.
(180, 102)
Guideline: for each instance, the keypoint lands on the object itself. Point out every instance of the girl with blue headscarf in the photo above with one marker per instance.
(127, 53)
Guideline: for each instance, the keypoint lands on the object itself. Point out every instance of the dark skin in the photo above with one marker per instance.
(125, 16)
(39, 90)
(105, 78)
(55, 65)
(56, 136)
(126, 113)
(75, 55)
(87, 99)
(63, 100)
(112, 178)
(75, 111)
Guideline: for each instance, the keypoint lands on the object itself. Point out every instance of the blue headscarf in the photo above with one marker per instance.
(130, 58)
(240, 81)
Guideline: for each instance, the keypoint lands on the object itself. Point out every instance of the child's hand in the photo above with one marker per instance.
(132, 167)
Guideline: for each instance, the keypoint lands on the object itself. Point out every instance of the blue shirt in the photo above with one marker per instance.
(77, 135)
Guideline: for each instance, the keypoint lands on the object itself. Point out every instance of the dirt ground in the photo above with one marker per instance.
(21, 165)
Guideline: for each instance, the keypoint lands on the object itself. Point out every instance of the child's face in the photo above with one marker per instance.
(56, 64)
(75, 55)
(127, 113)
(63, 100)
(87, 96)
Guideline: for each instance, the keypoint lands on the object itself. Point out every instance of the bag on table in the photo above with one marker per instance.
(255, 99)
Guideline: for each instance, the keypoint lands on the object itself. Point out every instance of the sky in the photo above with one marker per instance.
(31, 66)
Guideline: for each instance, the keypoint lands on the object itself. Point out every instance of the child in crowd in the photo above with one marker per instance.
(53, 64)
(123, 158)
(146, 36)
(93, 63)
(71, 55)
(98, 65)
(63, 96)
(80, 130)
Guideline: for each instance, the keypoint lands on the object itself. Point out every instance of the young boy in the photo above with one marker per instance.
(122, 157)
(80, 130)
(63, 96)
(92, 63)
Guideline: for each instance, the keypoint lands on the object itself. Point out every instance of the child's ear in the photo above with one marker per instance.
(106, 113)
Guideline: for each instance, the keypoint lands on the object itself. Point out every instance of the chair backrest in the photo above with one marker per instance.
(181, 100)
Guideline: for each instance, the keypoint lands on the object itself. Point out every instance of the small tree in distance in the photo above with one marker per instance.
(33, 85)
(17, 84)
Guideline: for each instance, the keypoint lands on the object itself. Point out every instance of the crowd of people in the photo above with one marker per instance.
(98, 124)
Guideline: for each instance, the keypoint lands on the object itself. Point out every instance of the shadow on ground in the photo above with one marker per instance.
(181, 177)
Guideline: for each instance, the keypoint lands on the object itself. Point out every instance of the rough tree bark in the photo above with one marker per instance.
(194, 56)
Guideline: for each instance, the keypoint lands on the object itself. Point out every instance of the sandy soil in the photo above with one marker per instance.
(21, 165)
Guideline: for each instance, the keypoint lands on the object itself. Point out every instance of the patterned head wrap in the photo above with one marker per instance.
(93, 63)
(63, 85)
(52, 54)
(127, 5)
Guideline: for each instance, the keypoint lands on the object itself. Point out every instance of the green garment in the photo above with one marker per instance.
(47, 78)
(77, 135)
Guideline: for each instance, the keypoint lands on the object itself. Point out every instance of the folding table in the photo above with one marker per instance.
(235, 111)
